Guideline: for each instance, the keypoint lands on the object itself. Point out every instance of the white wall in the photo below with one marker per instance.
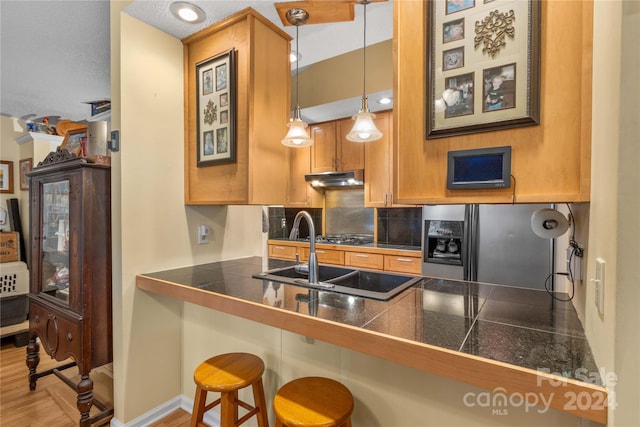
(153, 229)
(614, 214)
(627, 315)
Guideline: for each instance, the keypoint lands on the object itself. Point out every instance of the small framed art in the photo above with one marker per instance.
(25, 167)
(215, 106)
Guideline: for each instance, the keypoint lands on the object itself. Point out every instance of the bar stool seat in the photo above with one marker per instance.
(313, 402)
(226, 374)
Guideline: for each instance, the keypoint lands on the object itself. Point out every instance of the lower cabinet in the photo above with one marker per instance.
(283, 252)
(364, 260)
(325, 256)
(407, 262)
(403, 264)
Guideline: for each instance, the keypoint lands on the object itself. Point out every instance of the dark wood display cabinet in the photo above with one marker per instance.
(70, 290)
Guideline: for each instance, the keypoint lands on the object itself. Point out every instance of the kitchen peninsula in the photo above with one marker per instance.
(481, 334)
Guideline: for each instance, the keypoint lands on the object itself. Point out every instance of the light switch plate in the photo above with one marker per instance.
(114, 142)
(203, 234)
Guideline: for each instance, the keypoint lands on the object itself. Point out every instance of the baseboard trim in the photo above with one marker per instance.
(159, 412)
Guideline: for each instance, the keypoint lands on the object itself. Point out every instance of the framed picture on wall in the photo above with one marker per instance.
(6, 176)
(215, 106)
(25, 167)
(483, 66)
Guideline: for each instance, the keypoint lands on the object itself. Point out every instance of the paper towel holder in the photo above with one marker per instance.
(549, 223)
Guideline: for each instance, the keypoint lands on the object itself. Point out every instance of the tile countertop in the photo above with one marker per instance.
(490, 336)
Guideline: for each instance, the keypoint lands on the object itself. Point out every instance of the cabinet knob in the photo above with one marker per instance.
(69, 337)
(37, 319)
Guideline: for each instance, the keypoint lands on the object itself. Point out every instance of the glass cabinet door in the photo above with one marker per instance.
(55, 240)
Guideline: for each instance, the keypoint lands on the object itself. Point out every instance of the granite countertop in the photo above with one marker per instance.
(520, 327)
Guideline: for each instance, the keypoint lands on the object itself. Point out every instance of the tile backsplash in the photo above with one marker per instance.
(400, 226)
(279, 214)
(395, 226)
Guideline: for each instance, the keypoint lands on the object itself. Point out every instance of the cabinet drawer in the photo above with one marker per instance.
(403, 264)
(283, 252)
(364, 260)
(59, 333)
(326, 256)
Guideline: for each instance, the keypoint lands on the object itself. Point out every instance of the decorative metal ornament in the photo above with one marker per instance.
(210, 113)
(493, 31)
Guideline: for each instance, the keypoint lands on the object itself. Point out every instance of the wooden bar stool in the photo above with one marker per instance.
(226, 374)
(313, 402)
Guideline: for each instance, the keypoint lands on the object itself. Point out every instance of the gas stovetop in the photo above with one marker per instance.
(344, 239)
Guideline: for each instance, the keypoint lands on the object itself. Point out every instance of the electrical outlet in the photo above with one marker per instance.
(203, 234)
(283, 223)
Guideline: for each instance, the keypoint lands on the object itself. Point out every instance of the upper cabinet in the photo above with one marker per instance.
(550, 162)
(262, 83)
(331, 150)
(378, 177)
(299, 192)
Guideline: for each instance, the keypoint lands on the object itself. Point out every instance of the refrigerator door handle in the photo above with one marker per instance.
(470, 254)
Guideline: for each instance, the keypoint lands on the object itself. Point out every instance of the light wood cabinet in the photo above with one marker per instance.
(325, 256)
(364, 260)
(262, 112)
(381, 259)
(551, 162)
(403, 264)
(378, 160)
(299, 192)
(332, 151)
(283, 252)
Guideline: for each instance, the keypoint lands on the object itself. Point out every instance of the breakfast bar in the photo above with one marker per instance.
(512, 341)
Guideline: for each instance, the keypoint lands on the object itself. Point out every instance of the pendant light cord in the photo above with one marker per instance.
(297, 61)
(364, 53)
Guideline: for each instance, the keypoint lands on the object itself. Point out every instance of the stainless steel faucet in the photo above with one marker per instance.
(313, 260)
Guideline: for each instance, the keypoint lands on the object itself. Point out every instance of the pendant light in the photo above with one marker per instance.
(364, 130)
(298, 135)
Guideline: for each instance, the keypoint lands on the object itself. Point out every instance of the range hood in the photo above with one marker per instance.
(354, 178)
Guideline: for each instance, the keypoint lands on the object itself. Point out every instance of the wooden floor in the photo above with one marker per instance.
(52, 403)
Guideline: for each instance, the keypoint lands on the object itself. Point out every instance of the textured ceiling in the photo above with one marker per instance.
(54, 55)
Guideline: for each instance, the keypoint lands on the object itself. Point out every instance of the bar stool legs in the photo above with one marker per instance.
(313, 402)
(226, 374)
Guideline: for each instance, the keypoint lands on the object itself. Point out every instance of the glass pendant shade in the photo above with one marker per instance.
(364, 129)
(298, 135)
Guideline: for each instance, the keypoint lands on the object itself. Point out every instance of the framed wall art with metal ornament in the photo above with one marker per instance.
(215, 106)
(482, 66)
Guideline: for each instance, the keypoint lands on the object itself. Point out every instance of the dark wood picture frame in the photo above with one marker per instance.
(516, 46)
(6, 176)
(216, 109)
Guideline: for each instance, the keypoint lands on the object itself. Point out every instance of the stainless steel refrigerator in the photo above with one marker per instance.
(486, 243)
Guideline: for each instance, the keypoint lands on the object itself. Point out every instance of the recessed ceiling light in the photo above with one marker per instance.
(187, 12)
(384, 101)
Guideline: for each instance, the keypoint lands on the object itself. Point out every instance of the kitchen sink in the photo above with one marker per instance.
(293, 276)
(361, 283)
